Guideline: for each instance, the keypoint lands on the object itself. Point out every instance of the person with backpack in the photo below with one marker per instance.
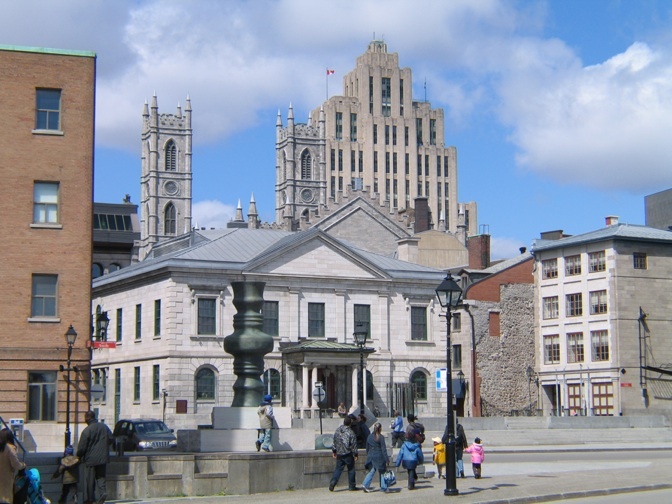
(265, 413)
(9, 466)
(69, 470)
(410, 456)
(415, 431)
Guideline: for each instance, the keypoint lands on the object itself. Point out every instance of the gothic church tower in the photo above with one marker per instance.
(166, 175)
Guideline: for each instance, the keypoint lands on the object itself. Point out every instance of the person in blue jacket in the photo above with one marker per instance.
(410, 455)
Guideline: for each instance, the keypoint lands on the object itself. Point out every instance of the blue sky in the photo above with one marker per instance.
(561, 111)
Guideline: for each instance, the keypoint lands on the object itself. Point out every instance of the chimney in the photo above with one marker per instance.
(611, 220)
(479, 251)
(421, 215)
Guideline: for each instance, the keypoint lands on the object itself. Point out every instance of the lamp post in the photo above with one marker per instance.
(360, 335)
(102, 322)
(449, 294)
(70, 338)
(531, 377)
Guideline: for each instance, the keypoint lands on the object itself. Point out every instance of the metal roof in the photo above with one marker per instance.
(47, 50)
(631, 232)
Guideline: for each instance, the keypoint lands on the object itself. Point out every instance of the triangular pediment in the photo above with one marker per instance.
(316, 258)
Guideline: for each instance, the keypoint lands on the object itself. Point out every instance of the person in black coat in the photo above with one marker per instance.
(93, 451)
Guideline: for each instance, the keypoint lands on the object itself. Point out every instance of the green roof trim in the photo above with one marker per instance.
(47, 50)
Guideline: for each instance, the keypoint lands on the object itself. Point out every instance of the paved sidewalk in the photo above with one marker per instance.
(519, 482)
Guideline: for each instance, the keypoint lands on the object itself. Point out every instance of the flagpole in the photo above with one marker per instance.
(326, 80)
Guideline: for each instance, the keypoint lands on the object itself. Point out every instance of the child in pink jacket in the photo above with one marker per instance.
(477, 456)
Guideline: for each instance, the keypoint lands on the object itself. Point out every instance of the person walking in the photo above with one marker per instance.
(9, 466)
(398, 432)
(93, 451)
(439, 456)
(364, 430)
(265, 412)
(69, 470)
(460, 445)
(344, 450)
(415, 431)
(477, 456)
(409, 456)
(376, 458)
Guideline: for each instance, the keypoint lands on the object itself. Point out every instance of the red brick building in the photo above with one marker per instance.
(46, 202)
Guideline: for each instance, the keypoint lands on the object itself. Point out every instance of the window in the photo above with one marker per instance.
(432, 132)
(316, 320)
(418, 323)
(157, 317)
(156, 382)
(306, 165)
(332, 159)
(600, 345)
(375, 134)
(48, 109)
(340, 161)
(119, 324)
(419, 381)
(271, 379)
(549, 268)
(42, 396)
(550, 307)
(96, 270)
(207, 309)
(394, 135)
(375, 162)
(386, 96)
(170, 219)
(269, 312)
(113, 267)
(456, 319)
(353, 127)
(45, 203)
(339, 125)
(573, 265)
(369, 385)
(362, 315)
(370, 94)
(136, 384)
(406, 136)
(418, 131)
(639, 259)
(387, 134)
(552, 349)
(138, 322)
(457, 356)
(171, 156)
(575, 347)
(596, 262)
(598, 302)
(574, 399)
(401, 97)
(574, 305)
(352, 161)
(44, 296)
(494, 324)
(205, 384)
(117, 393)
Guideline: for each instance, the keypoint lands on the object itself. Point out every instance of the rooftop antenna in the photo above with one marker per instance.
(425, 89)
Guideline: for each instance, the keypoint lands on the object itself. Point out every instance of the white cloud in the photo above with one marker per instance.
(212, 214)
(505, 248)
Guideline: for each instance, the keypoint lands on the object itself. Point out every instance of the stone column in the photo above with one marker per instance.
(355, 386)
(306, 386)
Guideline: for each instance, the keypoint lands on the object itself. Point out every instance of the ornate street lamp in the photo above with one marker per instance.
(102, 322)
(450, 295)
(360, 336)
(70, 338)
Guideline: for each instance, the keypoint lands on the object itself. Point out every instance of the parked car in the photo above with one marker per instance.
(143, 434)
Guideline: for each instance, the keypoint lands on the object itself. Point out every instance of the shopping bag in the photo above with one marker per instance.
(390, 478)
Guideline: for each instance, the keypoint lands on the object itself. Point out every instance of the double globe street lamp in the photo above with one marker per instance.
(450, 295)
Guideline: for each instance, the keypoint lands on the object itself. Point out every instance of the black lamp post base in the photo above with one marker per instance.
(451, 491)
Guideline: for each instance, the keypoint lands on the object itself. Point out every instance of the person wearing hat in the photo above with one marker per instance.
(439, 456)
(265, 412)
(69, 469)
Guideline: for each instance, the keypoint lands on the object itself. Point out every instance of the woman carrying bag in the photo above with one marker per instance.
(376, 458)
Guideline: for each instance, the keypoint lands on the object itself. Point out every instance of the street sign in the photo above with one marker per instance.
(97, 391)
(319, 394)
(441, 384)
(101, 344)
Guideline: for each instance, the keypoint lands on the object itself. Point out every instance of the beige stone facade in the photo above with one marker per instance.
(46, 208)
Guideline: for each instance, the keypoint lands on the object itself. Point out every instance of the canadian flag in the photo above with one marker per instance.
(329, 72)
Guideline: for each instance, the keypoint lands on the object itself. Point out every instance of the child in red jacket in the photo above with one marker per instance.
(477, 456)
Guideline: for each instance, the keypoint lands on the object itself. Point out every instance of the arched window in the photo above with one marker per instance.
(96, 270)
(271, 379)
(113, 267)
(169, 219)
(419, 379)
(171, 156)
(205, 385)
(306, 165)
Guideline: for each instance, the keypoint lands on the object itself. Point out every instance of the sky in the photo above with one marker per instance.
(561, 110)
